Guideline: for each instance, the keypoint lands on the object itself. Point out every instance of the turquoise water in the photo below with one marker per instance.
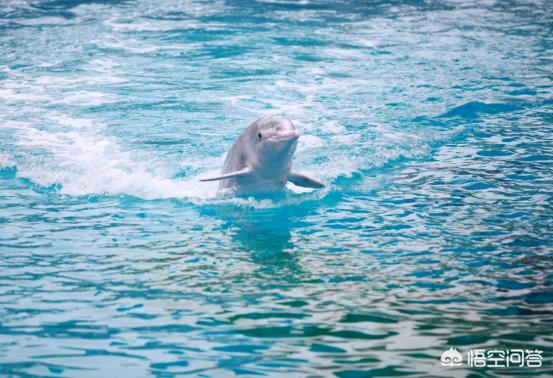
(430, 122)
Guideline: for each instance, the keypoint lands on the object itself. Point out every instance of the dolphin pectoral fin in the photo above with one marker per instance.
(305, 181)
(242, 172)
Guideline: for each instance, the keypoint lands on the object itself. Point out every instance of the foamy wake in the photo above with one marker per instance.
(79, 159)
(6, 161)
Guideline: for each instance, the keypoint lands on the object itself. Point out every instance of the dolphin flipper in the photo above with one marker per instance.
(242, 172)
(305, 181)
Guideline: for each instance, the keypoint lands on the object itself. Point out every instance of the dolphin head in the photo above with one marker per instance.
(275, 141)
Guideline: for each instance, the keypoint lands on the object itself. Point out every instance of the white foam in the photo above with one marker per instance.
(307, 142)
(83, 161)
(364, 42)
(86, 98)
(106, 77)
(295, 2)
(56, 90)
(6, 161)
(46, 20)
(344, 139)
(343, 53)
(75, 123)
(11, 95)
(157, 26)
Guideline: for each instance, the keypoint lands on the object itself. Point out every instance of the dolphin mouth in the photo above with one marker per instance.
(292, 135)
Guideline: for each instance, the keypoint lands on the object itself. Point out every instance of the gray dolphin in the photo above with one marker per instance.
(261, 159)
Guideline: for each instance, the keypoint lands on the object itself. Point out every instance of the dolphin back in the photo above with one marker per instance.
(239, 154)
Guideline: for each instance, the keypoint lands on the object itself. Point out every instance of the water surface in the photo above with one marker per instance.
(429, 121)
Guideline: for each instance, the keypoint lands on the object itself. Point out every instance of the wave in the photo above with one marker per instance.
(475, 108)
(85, 163)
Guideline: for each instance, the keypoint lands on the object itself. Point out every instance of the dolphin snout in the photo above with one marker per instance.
(291, 135)
(288, 136)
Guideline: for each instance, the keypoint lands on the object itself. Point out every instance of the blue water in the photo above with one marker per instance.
(430, 122)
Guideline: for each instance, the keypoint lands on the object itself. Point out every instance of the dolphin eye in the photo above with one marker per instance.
(259, 135)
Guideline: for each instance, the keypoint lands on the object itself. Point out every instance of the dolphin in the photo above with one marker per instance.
(260, 160)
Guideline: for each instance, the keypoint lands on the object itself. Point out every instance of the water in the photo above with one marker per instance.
(430, 122)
